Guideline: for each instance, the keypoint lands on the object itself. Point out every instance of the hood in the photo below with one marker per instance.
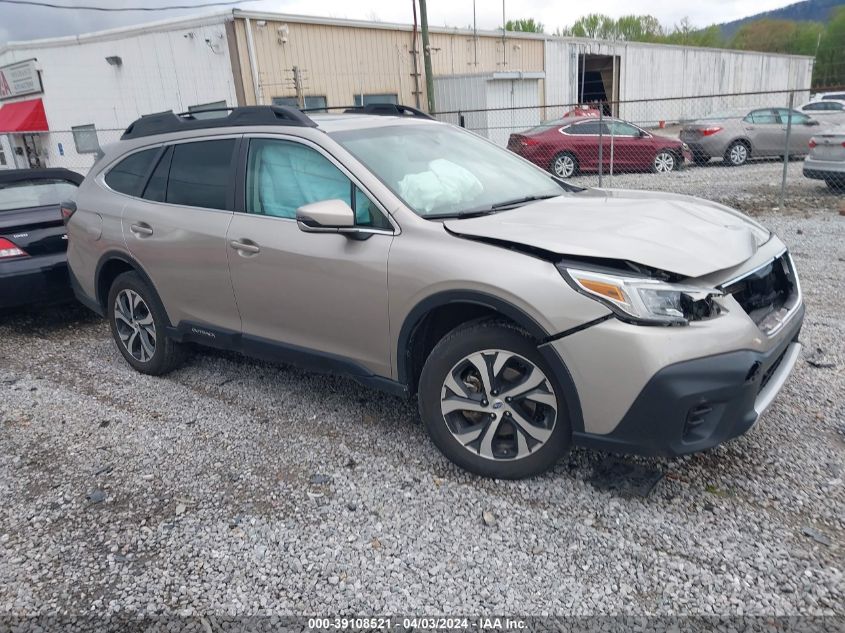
(679, 234)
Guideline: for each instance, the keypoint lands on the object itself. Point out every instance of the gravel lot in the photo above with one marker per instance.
(235, 487)
(752, 188)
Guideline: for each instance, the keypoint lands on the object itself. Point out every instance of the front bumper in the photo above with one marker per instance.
(34, 280)
(697, 404)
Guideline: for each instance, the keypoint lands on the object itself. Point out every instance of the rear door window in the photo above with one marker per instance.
(763, 117)
(590, 128)
(200, 174)
(129, 175)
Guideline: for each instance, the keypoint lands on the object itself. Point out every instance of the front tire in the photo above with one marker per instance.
(564, 165)
(664, 162)
(490, 403)
(138, 324)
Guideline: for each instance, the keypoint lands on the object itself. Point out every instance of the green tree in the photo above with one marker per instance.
(829, 69)
(524, 25)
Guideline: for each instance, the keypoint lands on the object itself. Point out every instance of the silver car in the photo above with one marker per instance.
(523, 313)
(826, 160)
(737, 135)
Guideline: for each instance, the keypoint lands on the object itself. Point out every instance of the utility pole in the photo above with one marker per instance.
(297, 85)
(429, 80)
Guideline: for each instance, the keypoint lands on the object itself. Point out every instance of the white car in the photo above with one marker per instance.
(826, 160)
(825, 110)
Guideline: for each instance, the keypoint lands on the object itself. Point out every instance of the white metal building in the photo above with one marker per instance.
(583, 70)
(92, 86)
(497, 102)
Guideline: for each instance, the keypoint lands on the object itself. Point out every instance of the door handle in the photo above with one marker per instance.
(142, 229)
(245, 246)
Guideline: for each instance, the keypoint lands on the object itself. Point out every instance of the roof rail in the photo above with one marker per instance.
(164, 122)
(381, 109)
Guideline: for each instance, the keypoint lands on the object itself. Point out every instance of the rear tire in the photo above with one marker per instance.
(508, 423)
(836, 185)
(138, 324)
(737, 154)
(564, 165)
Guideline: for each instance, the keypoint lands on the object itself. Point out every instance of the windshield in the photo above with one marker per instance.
(440, 170)
(35, 193)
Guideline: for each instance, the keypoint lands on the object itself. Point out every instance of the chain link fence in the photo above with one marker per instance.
(744, 149)
(75, 149)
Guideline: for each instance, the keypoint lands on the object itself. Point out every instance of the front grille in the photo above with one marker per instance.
(765, 293)
(771, 370)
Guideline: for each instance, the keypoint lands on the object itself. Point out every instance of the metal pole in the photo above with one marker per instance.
(504, 44)
(786, 149)
(601, 141)
(474, 34)
(429, 79)
(612, 137)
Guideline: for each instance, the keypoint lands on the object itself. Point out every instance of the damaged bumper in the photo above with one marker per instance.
(695, 405)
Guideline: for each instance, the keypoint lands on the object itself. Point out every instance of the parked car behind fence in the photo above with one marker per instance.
(570, 146)
(737, 135)
(826, 160)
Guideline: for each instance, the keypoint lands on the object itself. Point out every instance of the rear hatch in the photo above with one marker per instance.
(30, 216)
(828, 145)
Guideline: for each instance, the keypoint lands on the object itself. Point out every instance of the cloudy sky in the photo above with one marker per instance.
(19, 22)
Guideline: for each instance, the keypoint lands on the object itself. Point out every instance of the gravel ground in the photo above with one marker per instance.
(234, 487)
(752, 188)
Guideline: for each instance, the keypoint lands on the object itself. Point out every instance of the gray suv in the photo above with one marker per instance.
(524, 314)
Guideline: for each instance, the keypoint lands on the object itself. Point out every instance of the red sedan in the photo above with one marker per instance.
(566, 147)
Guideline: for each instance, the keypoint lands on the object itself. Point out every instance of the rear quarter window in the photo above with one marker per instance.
(129, 175)
(40, 192)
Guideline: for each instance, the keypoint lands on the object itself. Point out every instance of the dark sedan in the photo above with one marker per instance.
(33, 242)
(568, 146)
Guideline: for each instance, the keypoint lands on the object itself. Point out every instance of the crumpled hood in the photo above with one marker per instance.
(679, 234)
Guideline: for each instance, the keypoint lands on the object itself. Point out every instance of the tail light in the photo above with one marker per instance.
(710, 131)
(527, 142)
(812, 143)
(68, 209)
(10, 249)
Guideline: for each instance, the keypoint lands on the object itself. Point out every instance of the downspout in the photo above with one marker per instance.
(253, 63)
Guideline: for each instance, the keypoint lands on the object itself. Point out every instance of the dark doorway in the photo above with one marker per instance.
(598, 81)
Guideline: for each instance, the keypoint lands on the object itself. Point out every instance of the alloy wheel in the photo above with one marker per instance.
(564, 166)
(135, 325)
(498, 405)
(664, 162)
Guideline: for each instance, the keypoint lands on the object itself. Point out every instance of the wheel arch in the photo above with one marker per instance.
(112, 264)
(440, 313)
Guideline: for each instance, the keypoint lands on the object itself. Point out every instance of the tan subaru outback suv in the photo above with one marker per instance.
(525, 314)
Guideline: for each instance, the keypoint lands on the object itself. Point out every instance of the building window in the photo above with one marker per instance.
(85, 139)
(311, 102)
(196, 110)
(365, 100)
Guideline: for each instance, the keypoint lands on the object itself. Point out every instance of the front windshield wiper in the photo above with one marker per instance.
(519, 201)
(493, 208)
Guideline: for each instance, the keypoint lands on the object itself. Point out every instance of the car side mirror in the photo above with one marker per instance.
(643, 134)
(326, 216)
(811, 122)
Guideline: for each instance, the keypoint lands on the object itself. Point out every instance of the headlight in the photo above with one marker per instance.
(643, 300)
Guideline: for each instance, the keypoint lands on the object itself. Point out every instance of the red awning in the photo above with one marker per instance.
(23, 116)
